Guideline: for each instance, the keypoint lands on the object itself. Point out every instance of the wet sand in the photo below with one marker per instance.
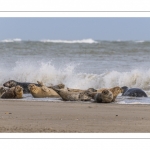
(72, 117)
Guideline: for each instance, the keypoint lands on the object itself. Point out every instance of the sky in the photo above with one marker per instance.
(99, 28)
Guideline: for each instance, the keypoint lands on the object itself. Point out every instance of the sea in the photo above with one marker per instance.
(83, 64)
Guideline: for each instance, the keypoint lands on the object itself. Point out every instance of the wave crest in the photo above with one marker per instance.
(89, 41)
(67, 74)
(11, 40)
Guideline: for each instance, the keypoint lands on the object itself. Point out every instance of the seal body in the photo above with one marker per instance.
(106, 96)
(115, 91)
(72, 96)
(41, 92)
(134, 92)
(18, 91)
(14, 92)
(13, 83)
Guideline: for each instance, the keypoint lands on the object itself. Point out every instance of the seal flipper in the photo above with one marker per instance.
(44, 89)
(58, 86)
(40, 83)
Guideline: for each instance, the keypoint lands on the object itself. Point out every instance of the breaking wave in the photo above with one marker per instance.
(67, 74)
(89, 41)
(11, 40)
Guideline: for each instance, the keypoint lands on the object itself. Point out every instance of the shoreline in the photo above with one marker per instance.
(19, 116)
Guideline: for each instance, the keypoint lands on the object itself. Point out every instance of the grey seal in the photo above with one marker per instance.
(72, 96)
(134, 92)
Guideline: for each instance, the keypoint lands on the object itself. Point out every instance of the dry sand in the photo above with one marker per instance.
(33, 116)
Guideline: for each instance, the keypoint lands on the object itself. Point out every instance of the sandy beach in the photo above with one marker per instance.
(72, 117)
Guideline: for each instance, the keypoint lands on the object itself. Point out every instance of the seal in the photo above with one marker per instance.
(79, 90)
(2, 90)
(14, 92)
(24, 85)
(72, 96)
(41, 92)
(106, 96)
(115, 91)
(134, 92)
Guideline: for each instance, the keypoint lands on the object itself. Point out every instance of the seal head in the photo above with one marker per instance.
(10, 83)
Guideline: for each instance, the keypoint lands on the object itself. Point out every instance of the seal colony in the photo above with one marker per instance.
(24, 85)
(13, 89)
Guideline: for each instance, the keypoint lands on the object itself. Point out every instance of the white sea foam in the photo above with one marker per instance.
(123, 102)
(67, 74)
(140, 41)
(12, 40)
(89, 41)
(135, 101)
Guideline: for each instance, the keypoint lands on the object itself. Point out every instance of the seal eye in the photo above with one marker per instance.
(104, 92)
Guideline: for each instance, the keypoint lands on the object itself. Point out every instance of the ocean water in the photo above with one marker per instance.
(78, 64)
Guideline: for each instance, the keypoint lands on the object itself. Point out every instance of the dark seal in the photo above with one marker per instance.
(134, 92)
(24, 85)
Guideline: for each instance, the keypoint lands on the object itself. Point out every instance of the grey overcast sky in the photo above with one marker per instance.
(75, 28)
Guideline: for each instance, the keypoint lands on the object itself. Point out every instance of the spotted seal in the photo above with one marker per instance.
(72, 96)
(42, 91)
